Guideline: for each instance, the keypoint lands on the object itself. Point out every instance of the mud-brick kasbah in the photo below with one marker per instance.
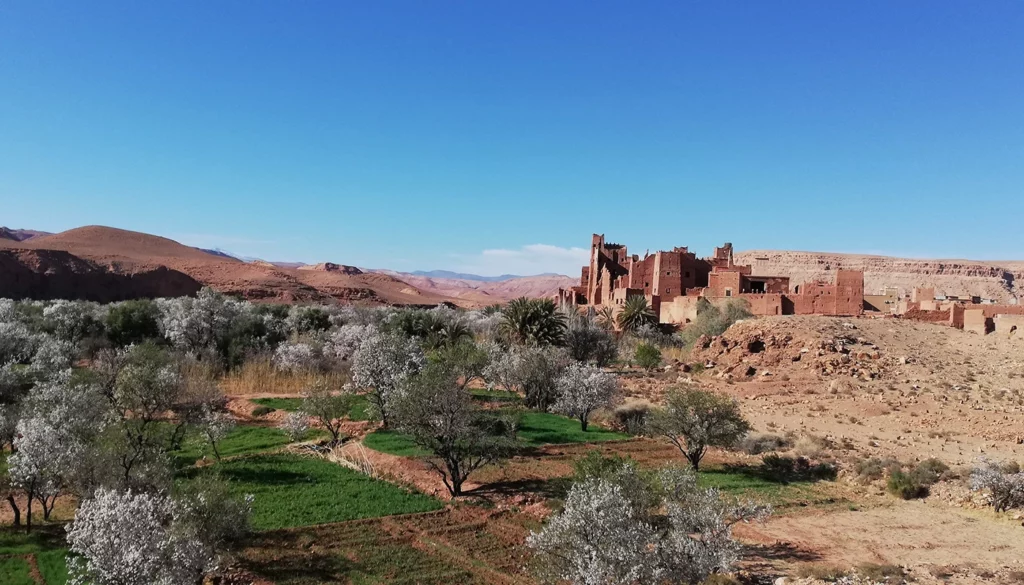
(674, 281)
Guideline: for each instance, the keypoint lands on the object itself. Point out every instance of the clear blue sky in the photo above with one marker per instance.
(463, 135)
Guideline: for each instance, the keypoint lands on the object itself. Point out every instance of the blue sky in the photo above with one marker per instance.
(495, 137)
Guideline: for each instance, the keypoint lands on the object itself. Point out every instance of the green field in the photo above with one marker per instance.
(15, 571)
(393, 442)
(287, 404)
(358, 412)
(45, 543)
(243, 440)
(543, 428)
(743, 482)
(495, 396)
(292, 490)
(536, 429)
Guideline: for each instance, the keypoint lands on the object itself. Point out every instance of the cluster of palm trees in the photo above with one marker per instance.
(537, 322)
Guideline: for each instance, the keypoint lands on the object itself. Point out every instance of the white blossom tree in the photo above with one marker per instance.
(345, 340)
(380, 365)
(197, 324)
(60, 421)
(296, 425)
(72, 321)
(296, 356)
(1004, 489)
(215, 425)
(582, 389)
(129, 538)
(52, 356)
(17, 343)
(628, 527)
(504, 368)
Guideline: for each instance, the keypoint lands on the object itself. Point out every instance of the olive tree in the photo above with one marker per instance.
(582, 389)
(441, 416)
(215, 425)
(586, 341)
(694, 419)
(328, 406)
(133, 322)
(626, 526)
(380, 365)
(141, 384)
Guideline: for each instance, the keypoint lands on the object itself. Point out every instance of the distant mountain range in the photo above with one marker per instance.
(448, 274)
(107, 264)
(103, 263)
(464, 276)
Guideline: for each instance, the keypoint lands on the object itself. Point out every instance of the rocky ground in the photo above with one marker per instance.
(849, 389)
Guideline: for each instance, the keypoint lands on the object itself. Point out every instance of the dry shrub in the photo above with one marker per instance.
(259, 376)
(881, 573)
(675, 353)
(821, 572)
(942, 571)
(758, 443)
(812, 446)
(632, 416)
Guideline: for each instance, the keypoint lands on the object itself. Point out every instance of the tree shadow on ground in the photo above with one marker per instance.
(780, 551)
(781, 470)
(555, 488)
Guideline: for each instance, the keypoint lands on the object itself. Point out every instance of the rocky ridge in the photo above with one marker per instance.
(993, 280)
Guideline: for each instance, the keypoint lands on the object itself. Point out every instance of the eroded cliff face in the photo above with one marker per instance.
(994, 280)
(54, 274)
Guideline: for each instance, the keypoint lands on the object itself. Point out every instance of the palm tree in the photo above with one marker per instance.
(636, 312)
(606, 318)
(532, 322)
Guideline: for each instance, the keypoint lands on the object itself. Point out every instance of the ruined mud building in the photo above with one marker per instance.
(967, 313)
(674, 281)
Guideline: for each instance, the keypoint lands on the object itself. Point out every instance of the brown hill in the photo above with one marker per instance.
(988, 279)
(19, 235)
(98, 252)
(488, 293)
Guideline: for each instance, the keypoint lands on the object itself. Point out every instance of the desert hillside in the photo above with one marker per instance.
(488, 292)
(994, 280)
(87, 262)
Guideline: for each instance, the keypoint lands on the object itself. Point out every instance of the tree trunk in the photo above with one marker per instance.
(28, 515)
(14, 509)
(583, 423)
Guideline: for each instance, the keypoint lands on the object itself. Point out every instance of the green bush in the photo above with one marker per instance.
(929, 471)
(874, 468)
(712, 320)
(133, 322)
(904, 486)
(647, 356)
(262, 411)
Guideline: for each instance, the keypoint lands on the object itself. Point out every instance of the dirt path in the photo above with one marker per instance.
(914, 534)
